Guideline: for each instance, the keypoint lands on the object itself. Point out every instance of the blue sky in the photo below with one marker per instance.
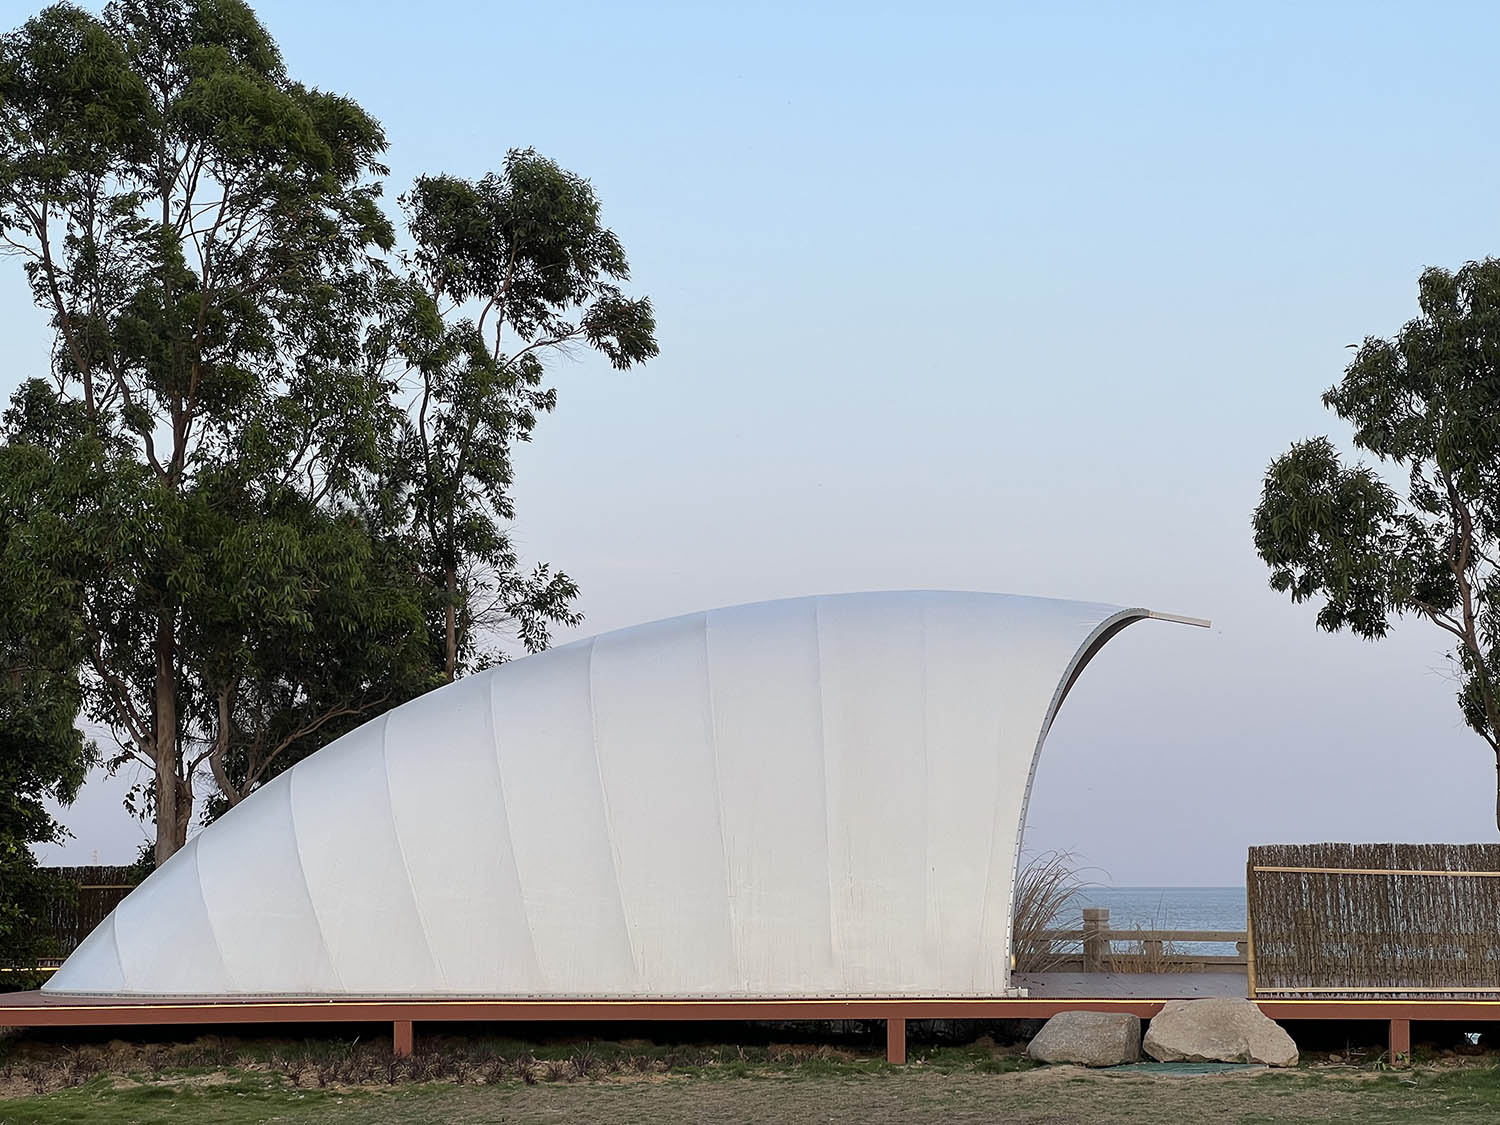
(1004, 297)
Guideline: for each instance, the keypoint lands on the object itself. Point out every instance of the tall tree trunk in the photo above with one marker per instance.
(1492, 717)
(184, 812)
(217, 760)
(171, 815)
(452, 638)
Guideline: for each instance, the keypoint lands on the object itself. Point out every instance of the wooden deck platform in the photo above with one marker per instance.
(1125, 986)
(38, 1009)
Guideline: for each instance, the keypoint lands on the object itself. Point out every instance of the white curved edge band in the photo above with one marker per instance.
(1102, 635)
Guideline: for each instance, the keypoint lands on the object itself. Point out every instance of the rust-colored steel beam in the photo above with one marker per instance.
(895, 1040)
(401, 1038)
(34, 1009)
(23, 1010)
(1400, 1042)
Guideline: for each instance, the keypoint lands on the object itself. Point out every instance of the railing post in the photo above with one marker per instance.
(1095, 947)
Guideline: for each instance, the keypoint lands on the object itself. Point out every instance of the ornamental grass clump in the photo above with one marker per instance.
(1047, 887)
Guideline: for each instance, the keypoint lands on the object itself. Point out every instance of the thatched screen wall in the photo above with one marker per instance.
(1375, 920)
(95, 892)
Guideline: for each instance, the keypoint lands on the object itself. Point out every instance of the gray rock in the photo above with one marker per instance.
(1222, 1029)
(1088, 1039)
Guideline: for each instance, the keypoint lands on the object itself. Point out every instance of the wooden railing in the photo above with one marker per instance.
(1092, 948)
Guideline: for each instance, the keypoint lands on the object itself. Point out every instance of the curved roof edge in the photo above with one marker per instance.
(1105, 632)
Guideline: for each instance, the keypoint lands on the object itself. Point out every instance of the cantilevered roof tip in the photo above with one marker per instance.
(1200, 622)
(822, 796)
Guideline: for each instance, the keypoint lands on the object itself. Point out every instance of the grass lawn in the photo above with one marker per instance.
(637, 1082)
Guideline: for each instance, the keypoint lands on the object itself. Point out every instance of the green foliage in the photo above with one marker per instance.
(270, 474)
(42, 754)
(523, 251)
(1426, 405)
(199, 227)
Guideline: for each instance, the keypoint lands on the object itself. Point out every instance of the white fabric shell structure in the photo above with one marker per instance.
(815, 797)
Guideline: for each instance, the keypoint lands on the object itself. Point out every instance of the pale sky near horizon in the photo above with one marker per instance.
(1002, 297)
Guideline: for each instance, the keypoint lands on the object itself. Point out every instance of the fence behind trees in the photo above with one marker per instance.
(95, 892)
(1374, 921)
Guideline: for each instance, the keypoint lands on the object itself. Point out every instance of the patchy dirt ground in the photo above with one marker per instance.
(470, 1081)
(1040, 1097)
(1037, 1097)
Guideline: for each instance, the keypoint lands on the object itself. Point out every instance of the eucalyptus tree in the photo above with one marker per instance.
(504, 271)
(198, 228)
(1426, 406)
(311, 622)
(500, 273)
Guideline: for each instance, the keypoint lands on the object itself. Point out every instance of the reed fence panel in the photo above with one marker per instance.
(1374, 921)
(95, 891)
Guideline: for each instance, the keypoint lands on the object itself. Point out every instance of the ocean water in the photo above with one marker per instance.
(1167, 908)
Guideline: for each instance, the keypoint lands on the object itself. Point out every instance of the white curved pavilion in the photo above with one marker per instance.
(815, 797)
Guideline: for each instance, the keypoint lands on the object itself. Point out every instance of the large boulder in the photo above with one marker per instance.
(1088, 1039)
(1222, 1029)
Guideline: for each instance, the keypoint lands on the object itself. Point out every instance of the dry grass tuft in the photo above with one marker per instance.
(1046, 886)
(1149, 957)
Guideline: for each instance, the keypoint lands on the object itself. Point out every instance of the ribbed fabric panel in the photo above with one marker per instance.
(94, 966)
(248, 900)
(874, 734)
(356, 872)
(813, 797)
(554, 804)
(164, 938)
(767, 710)
(654, 736)
(965, 707)
(451, 822)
